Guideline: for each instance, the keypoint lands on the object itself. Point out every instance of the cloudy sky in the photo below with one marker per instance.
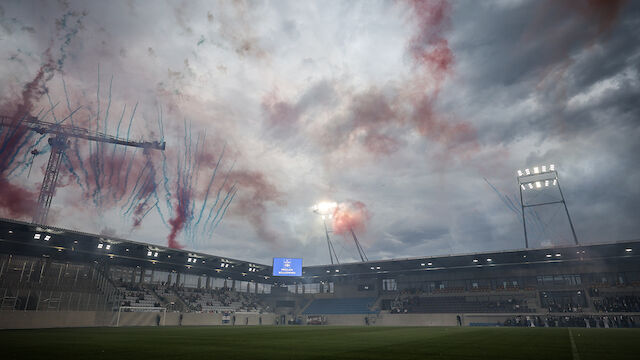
(412, 116)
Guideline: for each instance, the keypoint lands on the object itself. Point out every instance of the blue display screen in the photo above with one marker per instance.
(287, 267)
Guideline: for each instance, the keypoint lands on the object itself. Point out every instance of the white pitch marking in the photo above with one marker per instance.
(574, 349)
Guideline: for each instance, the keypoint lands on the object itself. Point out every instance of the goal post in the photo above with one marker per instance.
(144, 309)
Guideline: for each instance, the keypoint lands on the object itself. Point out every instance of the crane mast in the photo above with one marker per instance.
(59, 142)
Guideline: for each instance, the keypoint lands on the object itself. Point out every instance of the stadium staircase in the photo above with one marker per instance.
(340, 306)
(305, 306)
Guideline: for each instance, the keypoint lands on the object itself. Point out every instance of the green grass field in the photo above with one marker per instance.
(308, 342)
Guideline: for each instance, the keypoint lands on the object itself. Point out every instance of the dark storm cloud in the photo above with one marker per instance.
(553, 84)
(417, 236)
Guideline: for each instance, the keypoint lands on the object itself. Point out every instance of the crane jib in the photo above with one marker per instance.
(58, 145)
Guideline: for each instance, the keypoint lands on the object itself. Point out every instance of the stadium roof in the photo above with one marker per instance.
(22, 238)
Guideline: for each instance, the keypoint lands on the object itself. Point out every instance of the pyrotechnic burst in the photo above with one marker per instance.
(350, 215)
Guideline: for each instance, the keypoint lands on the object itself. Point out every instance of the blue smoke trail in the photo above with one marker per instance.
(101, 145)
(225, 210)
(124, 157)
(126, 175)
(167, 190)
(133, 192)
(93, 161)
(75, 142)
(206, 195)
(160, 213)
(138, 195)
(25, 161)
(220, 208)
(147, 212)
(113, 152)
(71, 170)
(215, 203)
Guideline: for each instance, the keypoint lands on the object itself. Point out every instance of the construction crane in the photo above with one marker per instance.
(59, 141)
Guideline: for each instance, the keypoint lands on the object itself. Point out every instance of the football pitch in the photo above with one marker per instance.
(309, 342)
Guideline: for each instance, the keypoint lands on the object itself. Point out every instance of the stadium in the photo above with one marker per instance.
(53, 278)
(355, 179)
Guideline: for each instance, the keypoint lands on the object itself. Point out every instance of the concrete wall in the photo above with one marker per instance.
(51, 319)
(386, 319)
(192, 319)
(54, 319)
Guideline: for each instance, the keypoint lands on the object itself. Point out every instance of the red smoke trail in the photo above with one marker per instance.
(256, 192)
(181, 213)
(17, 201)
(137, 214)
(428, 46)
(350, 216)
(431, 53)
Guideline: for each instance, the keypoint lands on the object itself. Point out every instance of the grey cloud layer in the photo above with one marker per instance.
(287, 85)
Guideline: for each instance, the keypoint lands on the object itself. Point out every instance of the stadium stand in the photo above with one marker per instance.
(590, 321)
(221, 300)
(454, 304)
(53, 277)
(137, 296)
(340, 306)
(41, 284)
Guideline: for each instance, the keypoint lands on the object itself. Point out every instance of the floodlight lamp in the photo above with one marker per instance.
(536, 170)
(628, 250)
(100, 246)
(429, 264)
(36, 236)
(489, 260)
(555, 181)
(108, 247)
(422, 264)
(558, 255)
(526, 171)
(544, 168)
(552, 167)
(522, 186)
(548, 255)
(475, 260)
(519, 172)
(538, 184)
(373, 267)
(377, 267)
(337, 270)
(47, 238)
(155, 254)
(530, 186)
(148, 253)
(546, 183)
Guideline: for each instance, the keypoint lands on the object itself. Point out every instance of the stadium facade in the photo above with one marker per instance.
(51, 277)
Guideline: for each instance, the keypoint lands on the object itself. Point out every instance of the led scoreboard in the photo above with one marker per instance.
(287, 267)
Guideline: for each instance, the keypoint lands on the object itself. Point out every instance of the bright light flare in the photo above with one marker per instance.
(324, 208)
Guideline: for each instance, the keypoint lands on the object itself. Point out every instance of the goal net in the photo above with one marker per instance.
(143, 309)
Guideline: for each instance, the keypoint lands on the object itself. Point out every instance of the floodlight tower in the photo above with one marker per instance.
(537, 178)
(325, 209)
